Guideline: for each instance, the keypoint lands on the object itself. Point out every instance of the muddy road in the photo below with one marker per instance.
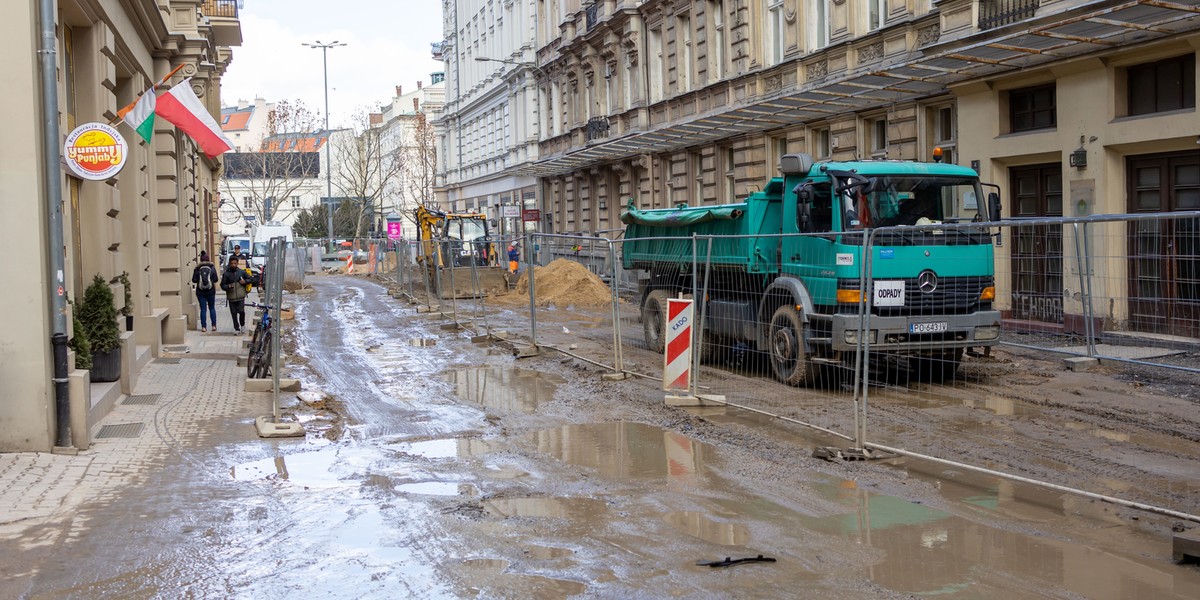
(537, 478)
(435, 467)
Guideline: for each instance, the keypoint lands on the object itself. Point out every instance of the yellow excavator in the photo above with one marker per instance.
(458, 254)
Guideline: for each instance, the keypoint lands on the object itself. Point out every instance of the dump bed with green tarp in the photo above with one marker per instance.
(665, 235)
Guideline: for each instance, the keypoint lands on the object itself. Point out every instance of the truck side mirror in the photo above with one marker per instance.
(804, 200)
(994, 207)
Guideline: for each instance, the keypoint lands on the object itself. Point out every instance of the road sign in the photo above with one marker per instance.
(677, 360)
(531, 214)
(509, 211)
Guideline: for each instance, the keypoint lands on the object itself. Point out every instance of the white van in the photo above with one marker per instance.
(242, 241)
(260, 238)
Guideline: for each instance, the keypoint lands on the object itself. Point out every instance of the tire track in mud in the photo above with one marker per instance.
(379, 398)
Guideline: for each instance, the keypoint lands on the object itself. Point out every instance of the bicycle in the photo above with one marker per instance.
(258, 363)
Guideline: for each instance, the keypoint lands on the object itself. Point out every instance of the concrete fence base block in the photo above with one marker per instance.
(526, 351)
(427, 309)
(268, 427)
(1080, 363)
(65, 450)
(305, 291)
(614, 376)
(241, 360)
(266, 385)
(450, 326)
(1185, 546)
(697, 400)
(481, 339)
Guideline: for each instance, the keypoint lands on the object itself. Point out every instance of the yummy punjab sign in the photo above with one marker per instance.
(95, 151)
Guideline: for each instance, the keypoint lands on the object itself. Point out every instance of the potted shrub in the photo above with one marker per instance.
(81, 346)
(98, 316)
(127, 310)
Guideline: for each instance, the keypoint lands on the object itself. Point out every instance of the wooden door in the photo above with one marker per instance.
(1164, 254)
(1037, 273)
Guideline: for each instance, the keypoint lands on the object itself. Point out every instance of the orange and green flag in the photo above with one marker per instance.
(140, 114)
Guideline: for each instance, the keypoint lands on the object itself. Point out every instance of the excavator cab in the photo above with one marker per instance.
(458, 255)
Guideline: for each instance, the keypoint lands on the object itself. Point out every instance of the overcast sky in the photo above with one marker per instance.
(388, 45)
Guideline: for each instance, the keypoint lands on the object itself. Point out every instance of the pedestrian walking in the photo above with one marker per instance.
(206, 278)
(234, 281)
(239, 255)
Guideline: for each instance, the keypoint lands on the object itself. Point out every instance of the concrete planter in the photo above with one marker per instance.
(106, 366)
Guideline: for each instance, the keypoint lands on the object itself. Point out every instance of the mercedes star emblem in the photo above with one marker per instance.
(927, 282)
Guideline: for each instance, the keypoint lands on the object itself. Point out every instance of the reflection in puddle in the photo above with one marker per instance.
(554, 508)
(504, 388)
(929, 551)
(447, 448)
(302, 468)
(701, 526)
(437, 488)
(627, 450)
(486, 577)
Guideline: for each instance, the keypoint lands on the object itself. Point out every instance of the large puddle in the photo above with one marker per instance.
(702, 526)
(931, 552)
(626, 450)
(504, 388)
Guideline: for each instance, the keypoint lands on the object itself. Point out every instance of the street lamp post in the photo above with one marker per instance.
(328, 157)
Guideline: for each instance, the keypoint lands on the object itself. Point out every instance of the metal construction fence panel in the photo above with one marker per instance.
(884, 337)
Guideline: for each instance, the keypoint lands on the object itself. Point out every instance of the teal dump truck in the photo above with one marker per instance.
(797, 298)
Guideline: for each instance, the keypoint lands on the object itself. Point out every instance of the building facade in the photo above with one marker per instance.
(150, 221)
(488, 128)
(247, 123)
(660, 102)
(408, 142)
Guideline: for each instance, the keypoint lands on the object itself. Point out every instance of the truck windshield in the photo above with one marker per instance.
(893, 201)
(260, 249)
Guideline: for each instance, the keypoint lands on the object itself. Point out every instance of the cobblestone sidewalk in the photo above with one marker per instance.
(181, 402)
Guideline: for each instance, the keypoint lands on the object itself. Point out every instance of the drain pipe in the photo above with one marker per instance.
(48, 55)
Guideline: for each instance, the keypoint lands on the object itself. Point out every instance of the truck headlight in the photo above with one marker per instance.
(852, 336)
(989, 332)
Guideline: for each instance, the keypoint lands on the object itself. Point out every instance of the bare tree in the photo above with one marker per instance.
(260, 184)
(420, 165)
(367, 167)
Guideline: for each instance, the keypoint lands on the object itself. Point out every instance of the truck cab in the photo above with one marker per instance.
(929, 288)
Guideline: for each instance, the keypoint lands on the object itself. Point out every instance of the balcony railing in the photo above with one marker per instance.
(220, 8)
(597, 128)
(998, 13)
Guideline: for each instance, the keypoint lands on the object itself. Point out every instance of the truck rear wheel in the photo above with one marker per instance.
(654, 318)
(789, 361)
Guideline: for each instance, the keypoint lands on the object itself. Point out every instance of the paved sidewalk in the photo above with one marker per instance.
(40, 493)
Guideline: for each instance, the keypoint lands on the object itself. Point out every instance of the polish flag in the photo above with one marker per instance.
(183, 109)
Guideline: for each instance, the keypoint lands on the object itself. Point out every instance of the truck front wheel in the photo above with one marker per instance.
(788, 358)
(654, 318)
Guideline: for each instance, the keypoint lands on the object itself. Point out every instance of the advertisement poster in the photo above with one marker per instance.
(395, 231)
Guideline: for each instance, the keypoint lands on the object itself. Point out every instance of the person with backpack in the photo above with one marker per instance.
(205, 278)
(234, 281)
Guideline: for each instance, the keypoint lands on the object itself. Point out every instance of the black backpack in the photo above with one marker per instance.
(207, 278)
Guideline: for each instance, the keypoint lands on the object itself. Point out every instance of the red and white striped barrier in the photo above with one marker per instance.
(677, 361)
(350, 263)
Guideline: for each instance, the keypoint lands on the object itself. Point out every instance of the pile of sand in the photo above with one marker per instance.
(565, 283)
